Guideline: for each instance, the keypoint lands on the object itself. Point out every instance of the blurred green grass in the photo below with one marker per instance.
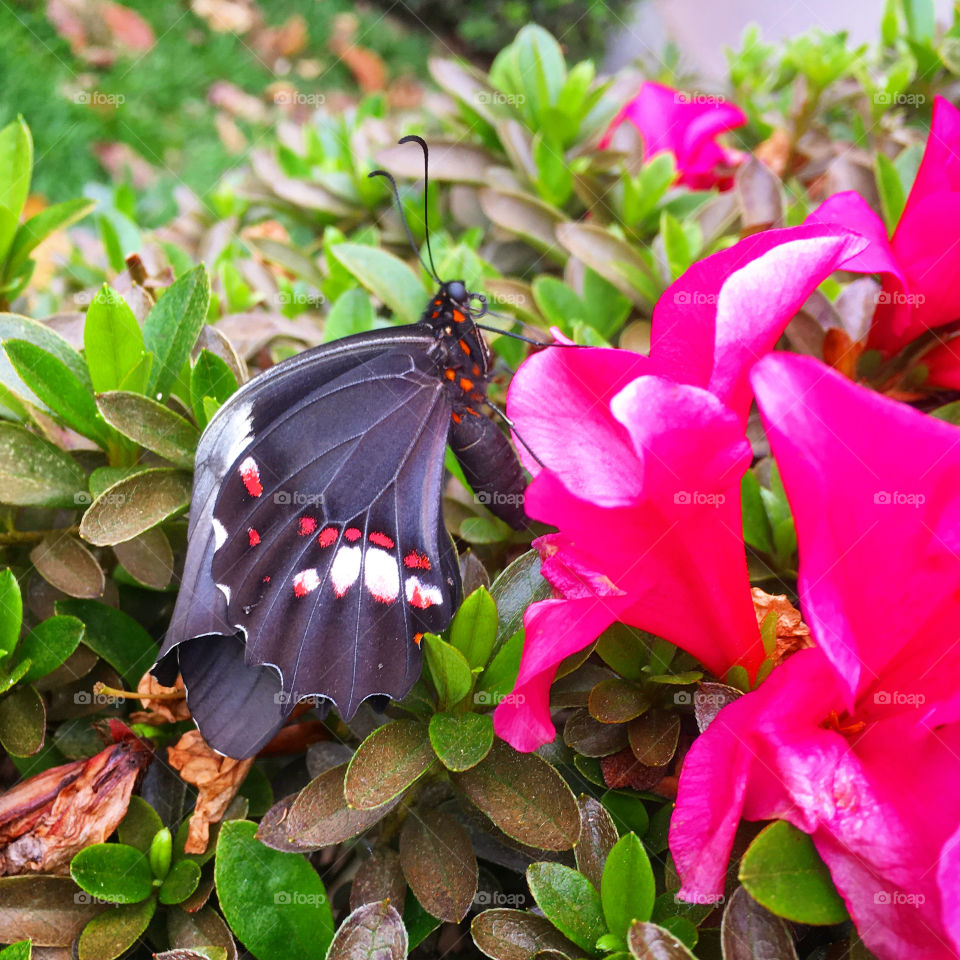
(165, 115)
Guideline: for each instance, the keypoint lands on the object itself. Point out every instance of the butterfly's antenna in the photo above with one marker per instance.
(502, 414)
(403, 220)
(426, 195)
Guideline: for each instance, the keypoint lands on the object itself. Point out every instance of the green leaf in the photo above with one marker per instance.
(557, 302)
(48, 644)
(40, 226)
(756, 526)
(274, 902)
(607, 307)
(921, 19)
(23, 719)
(135, 504)
(114, 932)
(374, 931)
(114, 872)
(474, 628)
(10, 679)
(524, 796)
(17, 951)
(783, 871)
(13, 327)
(172, 327)
(139, 825)
(115, 636)
(392, 758)
(569, 901)
(112, 340)
(152, 425)
(893, 197)
(160, 853)
(462, 740)
(499, 678)
(59, 388)
(449, 670)
(351, 313)
(211, 377)
(16, 166)
(11, 611)
(180, 882)
(554, 177)
(385, 276)
(628, 888)
(627, 810)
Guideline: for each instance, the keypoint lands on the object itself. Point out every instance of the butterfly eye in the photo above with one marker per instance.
(457, 291)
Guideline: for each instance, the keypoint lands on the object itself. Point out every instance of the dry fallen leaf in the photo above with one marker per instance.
(367, 67)
(169, 707)
(217, 779)
(792, 633)
(46, 819)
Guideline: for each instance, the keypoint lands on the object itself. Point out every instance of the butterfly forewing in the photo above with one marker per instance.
(317, 542)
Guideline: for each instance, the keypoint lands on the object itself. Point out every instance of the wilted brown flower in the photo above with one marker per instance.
(46, 819)
(217, 778)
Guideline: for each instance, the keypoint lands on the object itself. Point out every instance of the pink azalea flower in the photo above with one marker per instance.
(687, 126)
(922, 259)
(642, 464)
(854, 741)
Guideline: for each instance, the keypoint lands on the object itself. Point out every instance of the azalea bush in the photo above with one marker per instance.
(704, 707)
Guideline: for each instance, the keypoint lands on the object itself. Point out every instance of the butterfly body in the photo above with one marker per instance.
(317, 554)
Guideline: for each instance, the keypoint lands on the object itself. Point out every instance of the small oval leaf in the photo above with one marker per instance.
(387, 762)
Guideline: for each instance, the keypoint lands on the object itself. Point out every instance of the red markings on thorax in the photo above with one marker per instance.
(328, 537)
(458, 317)
(250, 475)
(253, 536)
(381, 540)
(415, 560)
(307, 526)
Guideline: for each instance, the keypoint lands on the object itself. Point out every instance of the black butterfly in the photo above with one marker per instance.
(317, 553)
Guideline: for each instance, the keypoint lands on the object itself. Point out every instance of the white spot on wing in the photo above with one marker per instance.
(381, 575)
(225, 590)
(422, 595)
(219, 534)
(306, 581)
(345, 570)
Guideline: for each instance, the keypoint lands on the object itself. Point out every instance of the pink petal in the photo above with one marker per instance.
(875, 491)
(850, 211)
(727, 310)
(554, 630)
(940, 167)
(559, 402)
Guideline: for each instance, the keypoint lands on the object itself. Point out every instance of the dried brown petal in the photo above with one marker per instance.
(792, 633)
(46, 819)
(217, 779)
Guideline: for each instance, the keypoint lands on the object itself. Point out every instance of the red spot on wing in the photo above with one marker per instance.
(352, 534)
(328, 537)
(415, 560)
(420, 598)
(381, 540)
(253, 536)
(466, 385)
(450, 374)
(250, 475)
(417, 637)
(266, 579)
(464, 346)
(455, 417)
(307, 526)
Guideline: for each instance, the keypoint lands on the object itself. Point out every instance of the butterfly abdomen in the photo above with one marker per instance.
(491, 468)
